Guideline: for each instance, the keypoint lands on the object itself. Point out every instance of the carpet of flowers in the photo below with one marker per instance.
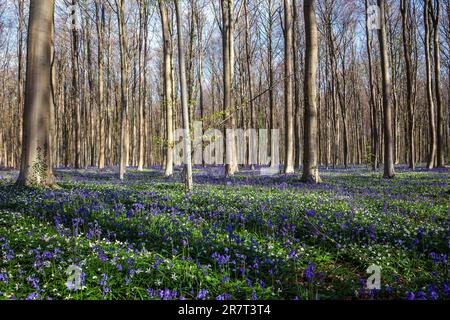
(246, 237)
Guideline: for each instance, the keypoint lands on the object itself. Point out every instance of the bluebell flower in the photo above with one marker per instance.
(4, 277)
(311, 213)
(33, 296)
(410, 296)
(421, 295)
(309, 272)
(224, 296)
(202, 295)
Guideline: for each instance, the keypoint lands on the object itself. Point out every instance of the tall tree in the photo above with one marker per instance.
(297, 84)
(168, 86)
(248, 57)
(227, 29)
(120, 4)
(386, 87)
(407, 51)
(310, 158)
(271, 84)
(372, 102)
(429, 87)
(288, 88)
(435, 13)
(200, 21)
(76, 90)
(36, 169)
(184, 101)
(143, 24)
(100, 24)
(20, 57)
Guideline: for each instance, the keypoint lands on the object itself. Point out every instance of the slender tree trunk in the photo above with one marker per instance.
(297, 93)
(168, 92)
(184, 102)
(435, 15)
(143, 25)
(90, 97)
(407, 50)
(271, 85)
(51, 127)
(76, 93)
(123, 89)
(199, 22)
(248, 57)
(429, 88)
(228, 65)
(388, 148)
(20, 58)
(99, 9)
(288, 88)
(310, 165)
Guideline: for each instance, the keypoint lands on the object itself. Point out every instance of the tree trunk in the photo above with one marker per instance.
(251, 156)
(429, 89)
(168, 91)
(99, 9)
(184, 102)
(297, 83)
(20, 56)
(435, 15)
(387, 112)
(199, 20)
(123, 90)
(228, 65)
(288, 89)
(407, 50)
(310, 166)
(273, 161)
(76, 93)
(35, 169)
(141, 120)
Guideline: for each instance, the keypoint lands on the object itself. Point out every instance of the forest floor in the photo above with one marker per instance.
(246, 237)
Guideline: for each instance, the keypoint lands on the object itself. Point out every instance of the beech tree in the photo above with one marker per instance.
(124, 146)
(310, 164)
(184, 102)
(36, 168)
(386, 88)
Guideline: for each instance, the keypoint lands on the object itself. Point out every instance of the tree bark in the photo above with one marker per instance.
(436, 15)
(184, 103)
(388, 147)
(35, 169)
(288, 88)
(141, 120)
(407, 51)
(123, 90)
(99, 9)
(429, 87)
(76, 93)
(228, 66)
(168, 85)
(310, 165)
